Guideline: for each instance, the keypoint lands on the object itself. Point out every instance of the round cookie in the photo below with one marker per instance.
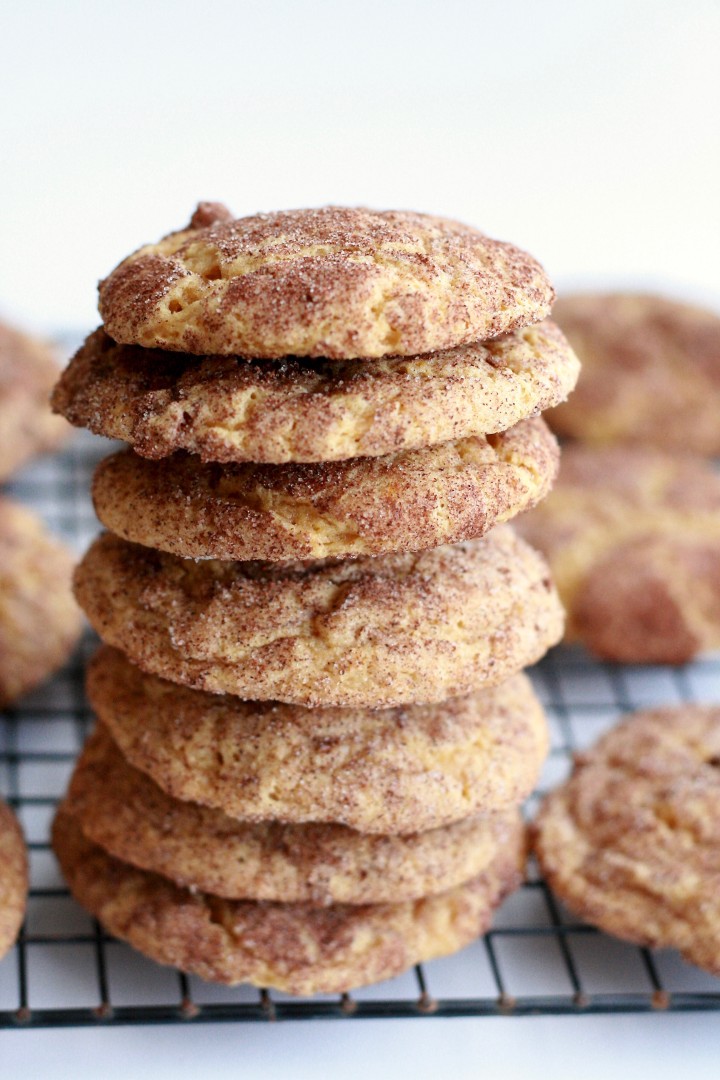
(388, 771)
(13, 878)
(333, 282)
(28, 370)
(121, 810)
(371, 632)
(650, 372)
(365, 506)
(297, 948)
(631, 841)
(632, 536)
(39, 620)
(230, 409)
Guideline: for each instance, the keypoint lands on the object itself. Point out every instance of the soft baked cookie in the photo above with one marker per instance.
(631, 841)
(632, 536)
(365, 506)
(368, 631)
(298, 948)
(650, 372)
(28, 370)
(13, 878)
(229, 409)
(387, 771)
(336, 281)
(121, 810)
(39, 620)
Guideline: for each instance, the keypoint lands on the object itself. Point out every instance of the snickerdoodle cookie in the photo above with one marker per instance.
(650, 372)
(13, 878)
(229, 409)
(631, 842)
(371, 632)
(632, 536)
(123, 811)
(28, 370)
(336, 282)
(299, 948)
(376, 770)
(364, 506)
(39, 620)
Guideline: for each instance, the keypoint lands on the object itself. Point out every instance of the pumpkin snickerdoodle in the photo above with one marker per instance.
(375, 632)
(365, 506)
(337, 282)
(298, 948)
(13, 877)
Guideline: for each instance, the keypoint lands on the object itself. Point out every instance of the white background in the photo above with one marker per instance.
(588, 133)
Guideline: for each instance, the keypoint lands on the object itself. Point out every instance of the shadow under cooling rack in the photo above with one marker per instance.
(65, 971)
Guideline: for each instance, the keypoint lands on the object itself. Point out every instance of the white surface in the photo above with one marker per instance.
(585, 132)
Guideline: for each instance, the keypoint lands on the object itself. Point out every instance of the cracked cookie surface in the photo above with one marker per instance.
(297, 948)
(123, 811)
(632, 536)
(13, 878)
(231, 409)
(334, 282)
(365, 506)
(375, 770)
(372, 632)
(630, 841)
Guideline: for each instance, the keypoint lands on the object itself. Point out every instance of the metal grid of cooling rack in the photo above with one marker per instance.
(65, 971)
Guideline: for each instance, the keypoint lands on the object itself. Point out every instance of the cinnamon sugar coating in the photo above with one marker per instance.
(631, 842)
(13, 878)
(650, 372)
(333, 282)
(123, 811)
(365, 506)
(632, 536)
(39, 620)
(297, 948)
(230, 409)
(368, 631)
(384, 771)
(28, 370)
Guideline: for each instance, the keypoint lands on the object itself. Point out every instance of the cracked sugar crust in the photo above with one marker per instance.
(334, 282)
(384, 771)
(231, 409)
(123, 811)
(373, 632)
(39, 620)
(28, 370)
(632, 536)
(13, 878)
(650, 372)
(365, 506)
(630, 841)
(297, 948)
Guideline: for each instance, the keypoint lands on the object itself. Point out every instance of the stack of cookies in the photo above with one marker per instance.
(313, 735)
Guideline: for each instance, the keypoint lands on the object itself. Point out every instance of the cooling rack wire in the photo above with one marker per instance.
(65, 971)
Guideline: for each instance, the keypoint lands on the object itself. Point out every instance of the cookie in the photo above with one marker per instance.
(631, 842)
(230, 409)
(333, 282)
(632, 536)
(123, 811)
(39, 620)
(386, 771)
(298, 948)
(370, 632)
(28, 370)
(365, 506)
(13, 878)
(650, 372)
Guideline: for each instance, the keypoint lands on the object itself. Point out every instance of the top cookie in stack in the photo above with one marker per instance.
(433, 352)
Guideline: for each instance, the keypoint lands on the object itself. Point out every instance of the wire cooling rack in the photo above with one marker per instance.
(65, 971)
